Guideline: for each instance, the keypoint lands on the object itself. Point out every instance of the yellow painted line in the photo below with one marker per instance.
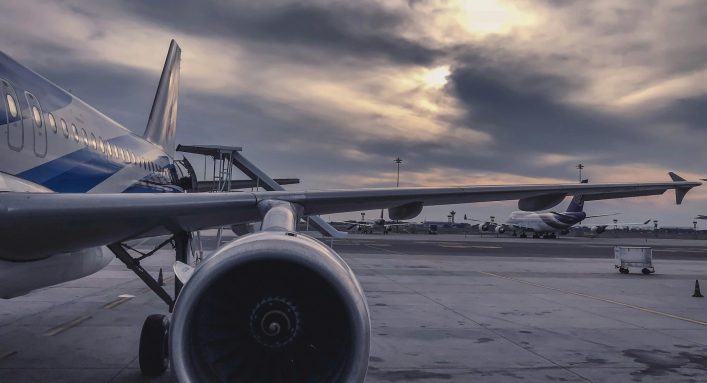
(121, 299)
(6, 355)
(628, 305)
(68, 325)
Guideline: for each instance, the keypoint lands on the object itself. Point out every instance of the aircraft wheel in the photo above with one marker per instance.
(646, 271)
(623, 270)
(154, 356)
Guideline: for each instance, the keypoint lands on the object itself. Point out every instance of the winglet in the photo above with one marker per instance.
(675, 177)
(679, 191)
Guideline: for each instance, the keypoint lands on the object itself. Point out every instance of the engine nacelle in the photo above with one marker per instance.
(500, 229)
(268, 307)
(485, 226)
(598, 229)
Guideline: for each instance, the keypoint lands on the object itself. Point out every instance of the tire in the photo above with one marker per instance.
(153, 355)
(646, 271)
(623, 270)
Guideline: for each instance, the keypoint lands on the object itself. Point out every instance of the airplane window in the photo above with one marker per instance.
(85, 136)
(12, 106)
(116, 154)
(64, 128)
(122, 154)
(37, 116)
(94, 145)
(109, 151)
(132, 157)
(75, 132)
(101, 145)
(52, 121)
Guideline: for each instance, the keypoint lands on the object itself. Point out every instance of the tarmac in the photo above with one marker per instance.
(444, 308)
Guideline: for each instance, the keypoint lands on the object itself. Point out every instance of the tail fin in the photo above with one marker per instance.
(162, 125)
(577, 203)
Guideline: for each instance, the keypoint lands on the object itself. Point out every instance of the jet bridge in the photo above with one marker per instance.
(225, 157)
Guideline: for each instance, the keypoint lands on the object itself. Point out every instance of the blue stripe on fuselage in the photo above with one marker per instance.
(82, 170)
(76, 172)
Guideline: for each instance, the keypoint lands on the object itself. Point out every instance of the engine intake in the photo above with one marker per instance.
(271, 307)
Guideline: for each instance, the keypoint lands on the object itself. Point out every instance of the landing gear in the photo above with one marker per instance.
(154, 347)
(523, 235)
(623, 270)
(154, 343)
(646, 271)
(536, 235)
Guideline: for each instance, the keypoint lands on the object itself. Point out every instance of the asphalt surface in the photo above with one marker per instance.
(443, 309)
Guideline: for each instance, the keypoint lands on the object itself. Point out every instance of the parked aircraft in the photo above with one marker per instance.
(549, 224)
(368, 226)
(267, 306)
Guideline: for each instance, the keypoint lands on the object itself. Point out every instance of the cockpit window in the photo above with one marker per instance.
(11, 105)
(52, 122)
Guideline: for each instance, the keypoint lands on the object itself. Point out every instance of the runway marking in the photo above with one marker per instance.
(68, 325)
(6, 355)
(121, 299)
(644, 309)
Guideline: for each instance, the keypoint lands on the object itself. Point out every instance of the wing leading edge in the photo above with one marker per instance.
(68, 222)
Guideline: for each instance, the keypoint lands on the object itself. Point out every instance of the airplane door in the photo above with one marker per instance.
(40, 129)
(15, 131)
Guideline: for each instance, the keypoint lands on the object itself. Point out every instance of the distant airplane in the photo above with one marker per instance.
(272, 305)
(368, 226)
(546, 225)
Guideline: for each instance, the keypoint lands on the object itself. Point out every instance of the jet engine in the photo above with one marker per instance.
(598, 229)
(271, 307)
(500, 229)
(485, 226)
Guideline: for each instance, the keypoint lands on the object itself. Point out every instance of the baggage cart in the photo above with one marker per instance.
(626, 256)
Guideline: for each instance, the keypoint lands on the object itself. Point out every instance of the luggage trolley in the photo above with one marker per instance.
(625, 257)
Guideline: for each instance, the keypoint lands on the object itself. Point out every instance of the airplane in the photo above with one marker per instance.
(368, 226)
(546, 225)
(272, 305)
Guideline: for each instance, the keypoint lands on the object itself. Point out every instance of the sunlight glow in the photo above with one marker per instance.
(436, 77)
(485, 17)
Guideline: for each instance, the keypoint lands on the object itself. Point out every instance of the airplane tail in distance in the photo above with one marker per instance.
(577, 203)
(162, 125)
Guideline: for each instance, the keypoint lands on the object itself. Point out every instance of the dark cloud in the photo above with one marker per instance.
(356, 30)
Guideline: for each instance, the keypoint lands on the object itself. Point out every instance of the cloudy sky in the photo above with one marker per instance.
(466, 92)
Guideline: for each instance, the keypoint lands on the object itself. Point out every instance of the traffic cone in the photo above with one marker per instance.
(697, 293)
(160, 279)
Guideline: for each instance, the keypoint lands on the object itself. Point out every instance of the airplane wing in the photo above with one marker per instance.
(601, 215)
(621, 224)
(74, 221)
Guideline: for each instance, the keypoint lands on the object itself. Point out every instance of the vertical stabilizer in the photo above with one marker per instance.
(577, 203)
(162, 125)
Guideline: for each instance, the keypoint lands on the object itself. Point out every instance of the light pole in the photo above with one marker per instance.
(398, 161)
(452, 214)
(580, 167)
